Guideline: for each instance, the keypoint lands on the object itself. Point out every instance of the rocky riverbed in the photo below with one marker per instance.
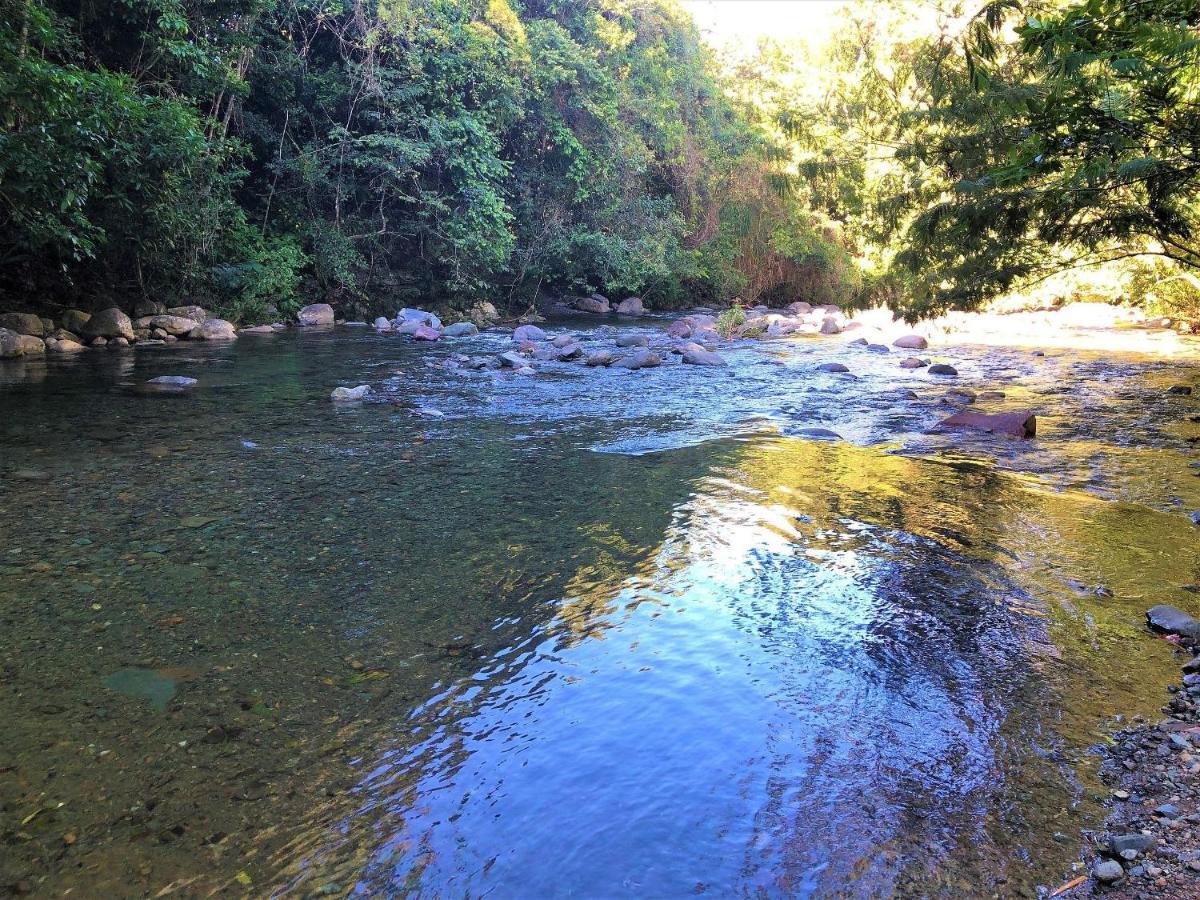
(753, 627)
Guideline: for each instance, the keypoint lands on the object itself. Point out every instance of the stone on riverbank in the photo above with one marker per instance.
(197, 314)
(830, 326)
(23, 323)
(74, 320)
(418, 316)
(1108, 872)
(316, 314)
(942, 369)
(911, 342)
(631, 306)
(109, 323)
(176, 325)
(1172, 620)
(10, 344)
(63, 345)
(258, 329)
(461, 329)
(597, 304)
(350, 395)
(1019, 424)
(213, 330)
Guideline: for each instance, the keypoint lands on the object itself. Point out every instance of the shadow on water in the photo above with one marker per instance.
(591, 633)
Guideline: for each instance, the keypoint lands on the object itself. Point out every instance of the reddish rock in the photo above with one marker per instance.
(1020, 424)
(426, 333)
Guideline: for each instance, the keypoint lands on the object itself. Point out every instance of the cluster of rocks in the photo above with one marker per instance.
(23, 334)
(599, 305)
(422, 325)
(1151, 847)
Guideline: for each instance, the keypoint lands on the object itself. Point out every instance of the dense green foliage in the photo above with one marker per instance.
(374, 152)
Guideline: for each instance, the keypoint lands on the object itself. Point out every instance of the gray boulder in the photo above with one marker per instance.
(639, 359)
(108, 323)
(913, 363)
(601, 358)
(176, 325)
(597, 303)
(911, 342)
(512, 360)
(23, 323)
(1172, 620)
(524, 333)
(316, 314)
(698, 356)
(383, 323)
(633, 340)
(461, 329)
(830, 326)
(631, 306)
(420, 316)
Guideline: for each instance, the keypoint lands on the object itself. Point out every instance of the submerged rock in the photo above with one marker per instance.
(698, 356)
(426, 333)
(316, 314)
(258, 329)
(832, 367)
(1020, 424)
(1172, 620)
(819, 434)
(182, 381)
(640, 359)
(942, 369)
(913, 363)
(349, 395)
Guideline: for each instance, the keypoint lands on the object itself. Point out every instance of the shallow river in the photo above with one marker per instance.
(589, 634)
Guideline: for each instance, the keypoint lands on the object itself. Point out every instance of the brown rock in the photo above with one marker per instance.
(1020, 424)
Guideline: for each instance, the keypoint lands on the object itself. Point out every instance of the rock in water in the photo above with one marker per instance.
(698, 356)
(197, 314)
(528, 333)
(832, 367)
(512, 360)
(601, 358)
(631, 306)
(213, 330)
(145, 684)
(1172, 620)
(109, 323)
(1178, 389)
(316, 314)
(633, 340)
(640, 359)
(426, 333)
(461, 329)
(383, 324)
(23, 323)
(174, 380)
(597, 303)
(819, 434)
(349, 395)
(176, 325)
(1021, 424)
(913, 363)
(942, 369)
(830, 326)
(911, 342)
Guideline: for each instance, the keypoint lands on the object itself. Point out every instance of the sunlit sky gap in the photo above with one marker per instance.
(729, 22)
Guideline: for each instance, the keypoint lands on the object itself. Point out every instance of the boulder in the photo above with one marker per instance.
(832, 367)
(176, 325)
(461, 329)
(639, 359)
(830, 326)
(698, 356)
(420, 316)
(426, 333)
(633, 340)
(601, 358)
(23, 323)
(197, 314)
(383, 323)
(631, 306)
(680, 328)
(1108, 872)
(568, 353)
(483, 313)
(350, 395)
(942, 369)
(528, 333)
(913, 363)
(117, 343)
(74, 320)
(98, 342)
(316, 314)
(911, 342)
(565, 340)
(1171, 620)
(213, 330)
(597, 303)
(30, 344)
(878, 348)
(149, 308)
(1019, 424)
(800, 308)
(992, 395)
(512, 360)
(109, 323)
(407, 326)
(63, 345)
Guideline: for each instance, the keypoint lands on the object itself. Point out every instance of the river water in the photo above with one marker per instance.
(593, 633)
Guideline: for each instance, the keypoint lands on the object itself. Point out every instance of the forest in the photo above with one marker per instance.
(255, 155)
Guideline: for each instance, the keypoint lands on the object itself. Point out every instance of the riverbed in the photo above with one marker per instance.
(591, 633)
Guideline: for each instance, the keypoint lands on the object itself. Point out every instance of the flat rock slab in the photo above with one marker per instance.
(1019, 424)
(1172, 620)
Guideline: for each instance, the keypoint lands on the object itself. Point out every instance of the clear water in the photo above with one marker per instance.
(592, 634)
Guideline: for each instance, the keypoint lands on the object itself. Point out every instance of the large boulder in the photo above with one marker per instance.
(316, 314)
(830, 326)
(23, 323)
(1019, 424)
(461, 329)
(680, 328)
(197, 314)
(1171, 620)
(483, 313)
(176, 325)
(420, 316)
(10, 344)
(911, 342)
(149, 308)
(108, 323)
(30, 344)
(524, 333)
(799, 308)
(631, 306)
(426, 333)
(213, 330)
(63, 345)
(512, 360)
(597, 304)
(74, 320)
(382, 323)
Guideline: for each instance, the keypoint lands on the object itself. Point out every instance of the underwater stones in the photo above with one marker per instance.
(911, 342)
(632, 340)
(942, 369)
(316, 314)
(109, 323)
(213, 330)
(639, 359)
(461, 329)
(144, 684)
(528, 333)
(426, 333)
(631, 306)
(832, 367)
(1172, 620)
(1019, 424)
(23, 323)
(698, 356)
(596, 304)
(350, 395)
